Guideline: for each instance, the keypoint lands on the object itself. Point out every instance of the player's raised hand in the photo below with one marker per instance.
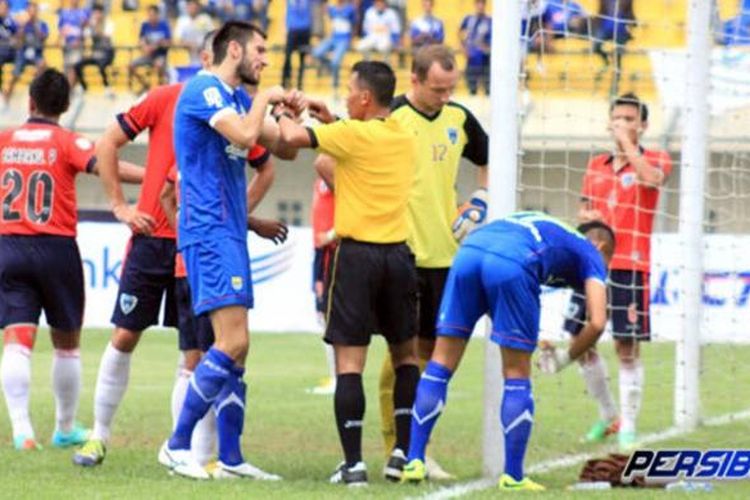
(139, 222)
(320, 111)
(269, 229)
(274, 95)
(296, 102)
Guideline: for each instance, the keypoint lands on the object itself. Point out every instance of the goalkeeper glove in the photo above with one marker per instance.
(471, 216)
(552, 359)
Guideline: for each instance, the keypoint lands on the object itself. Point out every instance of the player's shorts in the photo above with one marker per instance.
(195, 332)
(430, 285)
(480, 283)
(373, 290)
(322, 264)
(219, 274)
(628, 306)
(41, 273)
(147, 277)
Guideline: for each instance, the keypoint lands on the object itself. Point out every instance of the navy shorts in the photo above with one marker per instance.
(483, 283)
(219, 274)
(195, 331)
(628, 306)
(147, 278)
(41, 273)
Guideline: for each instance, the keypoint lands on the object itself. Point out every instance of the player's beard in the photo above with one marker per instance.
(245, 72)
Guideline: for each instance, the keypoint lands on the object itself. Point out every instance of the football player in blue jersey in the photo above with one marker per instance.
(499, 270)
(214, 125)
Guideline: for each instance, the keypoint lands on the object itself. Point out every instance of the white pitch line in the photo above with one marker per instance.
(565, 461)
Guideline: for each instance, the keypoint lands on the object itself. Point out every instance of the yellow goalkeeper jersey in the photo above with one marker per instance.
(442, 140)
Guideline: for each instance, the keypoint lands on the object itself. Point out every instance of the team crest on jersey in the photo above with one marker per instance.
(627, 180)
(128, 303)
(453, 135)
(237, 283)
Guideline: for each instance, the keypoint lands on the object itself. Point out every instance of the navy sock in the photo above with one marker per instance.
(432, 394)
(207, 381)
(404, 391)
(517, 418)
(230, 418)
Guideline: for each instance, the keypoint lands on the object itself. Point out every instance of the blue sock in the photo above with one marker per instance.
(208, 379)
(230, 418)
(517, 418)
(432, 393)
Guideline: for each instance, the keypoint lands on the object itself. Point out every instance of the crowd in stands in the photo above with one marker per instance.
(316, 30)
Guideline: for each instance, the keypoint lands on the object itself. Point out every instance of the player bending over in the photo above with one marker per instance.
(499, 270)
(40, 265)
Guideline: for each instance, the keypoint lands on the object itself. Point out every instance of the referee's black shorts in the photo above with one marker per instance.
(373, 289)
(431, 283)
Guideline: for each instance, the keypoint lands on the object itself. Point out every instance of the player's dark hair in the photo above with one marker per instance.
(237, 31)
(630, 99)
(378, 78)
(599, 231)
(208, 40)
(98, 7)
(50, 92)
(429, 55)
(153, 8)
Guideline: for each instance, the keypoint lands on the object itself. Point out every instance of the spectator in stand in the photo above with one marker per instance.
(362, 7)
(381, 28)
(192, 28)
(33, 35)
(70, 25)
(155, 39)
(98, 35)
(476, 36)
(613, 25)
(221, 10)
(8, 30)
(427, 29)
(399, 6)
(563, 18)
(298, 25)
(343, 17)
(18, 9)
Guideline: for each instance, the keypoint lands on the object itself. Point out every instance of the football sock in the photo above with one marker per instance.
(181, 383)
(207, 381)
(385, 394)
(66, 386)
(631, 392)
(594, 371)
(111, 384)
(404, 390)
(349, 407)
(230, 417)
(517, 418)
(16, 377)
(432, 394)
(203, 444)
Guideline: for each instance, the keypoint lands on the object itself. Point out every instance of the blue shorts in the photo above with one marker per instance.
(147, 278)
(483, 283)
(195, 332)
(41, 273)
(219, 274)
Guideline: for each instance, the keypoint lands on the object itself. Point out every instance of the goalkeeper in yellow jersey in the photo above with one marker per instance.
(446, 132)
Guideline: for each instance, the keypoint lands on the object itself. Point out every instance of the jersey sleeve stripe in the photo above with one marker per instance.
(126, 127)
(91, 164)
(219, 115)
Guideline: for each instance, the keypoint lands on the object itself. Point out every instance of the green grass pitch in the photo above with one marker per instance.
(292, 433)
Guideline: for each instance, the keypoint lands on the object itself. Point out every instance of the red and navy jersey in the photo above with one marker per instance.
(627, 206)
(154, 112)
(322, 207)
(38, 165)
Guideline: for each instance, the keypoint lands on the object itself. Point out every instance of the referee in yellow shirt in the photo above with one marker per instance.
(445, 132)
(374, 283)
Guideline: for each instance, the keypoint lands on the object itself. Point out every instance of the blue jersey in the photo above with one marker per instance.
(559, 13)
(556, 254)
(155, 33)
(343, 19)
(478, 36)
(70, 24)
(213, 203)
(299, 15)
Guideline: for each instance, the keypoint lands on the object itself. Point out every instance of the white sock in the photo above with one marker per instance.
(594, 371)
(331, 359)
(16, 377)
(66, 386)
(111, 383)
(203, 443)
(631, 393)
(181, 383)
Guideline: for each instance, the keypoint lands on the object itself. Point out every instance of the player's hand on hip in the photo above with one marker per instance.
(273, 230)
(551, 359)
(471, 215)
(139, 222)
